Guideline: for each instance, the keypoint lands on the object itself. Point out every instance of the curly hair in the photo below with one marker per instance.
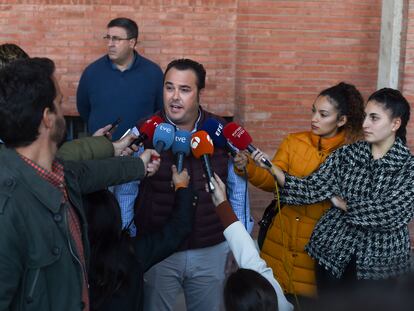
(349, 102)
(10, 52)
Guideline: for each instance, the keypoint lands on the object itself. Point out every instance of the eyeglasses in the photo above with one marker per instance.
(115, 39)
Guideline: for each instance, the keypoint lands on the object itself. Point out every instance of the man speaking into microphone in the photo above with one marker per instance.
(199, 267)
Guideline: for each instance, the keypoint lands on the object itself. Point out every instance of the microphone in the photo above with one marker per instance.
(239, 137)
(163, 137)
(181, 147)
(147, 129)
(202, 147)
(215, 129)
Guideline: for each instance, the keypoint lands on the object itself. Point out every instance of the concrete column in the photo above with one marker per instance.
(392, 43)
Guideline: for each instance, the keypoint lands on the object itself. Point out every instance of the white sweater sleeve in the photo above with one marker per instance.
(247, 257)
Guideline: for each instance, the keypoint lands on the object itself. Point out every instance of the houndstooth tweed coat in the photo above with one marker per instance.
(380, 202)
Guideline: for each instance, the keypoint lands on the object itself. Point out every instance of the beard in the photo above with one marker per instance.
(59, 134)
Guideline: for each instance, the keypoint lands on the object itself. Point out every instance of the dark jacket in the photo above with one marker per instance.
(85, 148)
(156, 196)
(150, 249)
(106, 93)
(37, 268)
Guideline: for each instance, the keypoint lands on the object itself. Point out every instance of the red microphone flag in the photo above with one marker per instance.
(237, 135)
(148, 127)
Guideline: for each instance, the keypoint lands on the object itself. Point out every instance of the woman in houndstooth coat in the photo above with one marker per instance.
(370, 184)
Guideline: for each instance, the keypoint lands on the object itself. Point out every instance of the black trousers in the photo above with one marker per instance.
(326, 282)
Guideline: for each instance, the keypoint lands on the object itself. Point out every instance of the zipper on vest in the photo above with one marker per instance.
(71, 249)
(29, 297)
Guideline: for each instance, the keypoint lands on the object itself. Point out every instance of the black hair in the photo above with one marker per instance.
(247, 290)
(10, 52)
(348, 101)
(26, 90)
(129, 25)
(111, 251)
(396, 103)
(189, 64)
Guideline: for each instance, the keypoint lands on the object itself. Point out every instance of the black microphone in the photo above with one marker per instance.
(202, 147)
(181, 147)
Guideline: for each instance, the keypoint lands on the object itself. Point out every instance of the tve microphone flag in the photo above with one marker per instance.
(163, 137)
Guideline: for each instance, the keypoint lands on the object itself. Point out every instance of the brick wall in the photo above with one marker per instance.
(288, 51)
(70, 32)
(408, 79)
(266, 60)
(408, 69)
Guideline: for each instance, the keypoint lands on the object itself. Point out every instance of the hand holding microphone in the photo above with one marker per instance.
(239, 137)
(219, 195)
(241, 160)
(122, 145)
(259, 158)
(151, 159)
(202, 147)
(180, 179)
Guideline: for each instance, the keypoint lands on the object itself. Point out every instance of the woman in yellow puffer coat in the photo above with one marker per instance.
(337, 116)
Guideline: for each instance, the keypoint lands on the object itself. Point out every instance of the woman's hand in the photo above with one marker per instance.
(180, 179)
(339, 203)
(257, 157)
(241, 160)
(219, 194)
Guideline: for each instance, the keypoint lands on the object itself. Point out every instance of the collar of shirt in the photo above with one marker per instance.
(56, 177)
(195, 125)
(113, 65)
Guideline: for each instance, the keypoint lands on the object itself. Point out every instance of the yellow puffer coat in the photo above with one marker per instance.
(299, 154)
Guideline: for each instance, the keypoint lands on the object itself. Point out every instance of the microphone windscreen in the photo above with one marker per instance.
(148, 127)
(237, 135)
(164, 133)
(201, 144)
(215, 129)
(181, 142)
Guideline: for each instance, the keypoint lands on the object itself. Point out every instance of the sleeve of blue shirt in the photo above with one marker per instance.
(126, 195)
(82, 98)
(238, 196)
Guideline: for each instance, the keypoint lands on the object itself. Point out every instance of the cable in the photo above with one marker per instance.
(285, 247)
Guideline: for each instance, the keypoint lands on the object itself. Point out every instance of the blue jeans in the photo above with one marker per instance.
(199, 272)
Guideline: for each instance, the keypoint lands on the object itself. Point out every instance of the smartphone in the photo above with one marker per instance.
(113, 127)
